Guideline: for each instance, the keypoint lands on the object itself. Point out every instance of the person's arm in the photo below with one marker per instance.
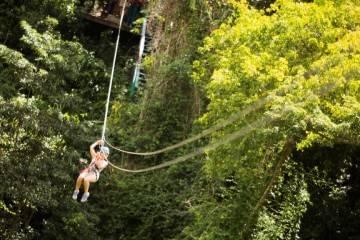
(92, 148)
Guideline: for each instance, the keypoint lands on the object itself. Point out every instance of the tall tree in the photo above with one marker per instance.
(296, 72)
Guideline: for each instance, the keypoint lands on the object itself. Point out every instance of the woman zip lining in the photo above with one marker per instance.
(98, 159)
(91, 173)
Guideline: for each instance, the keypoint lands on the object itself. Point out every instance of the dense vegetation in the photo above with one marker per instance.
(287, 167)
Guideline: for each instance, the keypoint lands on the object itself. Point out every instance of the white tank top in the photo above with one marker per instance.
(101, 164)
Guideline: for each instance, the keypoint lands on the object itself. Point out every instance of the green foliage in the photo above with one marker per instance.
(17, 72)
(305, 57)
(48, 90)
(53, 90)
(12, 12)
(282, 218)
(333, 182)
(34, 158)
(72, 70)
(149, 206)
(300, 151)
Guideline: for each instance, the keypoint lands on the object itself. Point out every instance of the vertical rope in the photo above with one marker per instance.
(112, 70)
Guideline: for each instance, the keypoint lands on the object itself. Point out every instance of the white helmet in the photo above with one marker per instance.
(105, 150)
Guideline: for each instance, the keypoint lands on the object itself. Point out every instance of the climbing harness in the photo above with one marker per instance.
(92, 168)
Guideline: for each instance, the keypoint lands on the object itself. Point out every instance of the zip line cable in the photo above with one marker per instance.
(112, 71)
(208, 131)
(227, 139)
(251, 108)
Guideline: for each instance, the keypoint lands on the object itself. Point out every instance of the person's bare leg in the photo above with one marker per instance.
(78, 183)
(86, 185)
(86, 191)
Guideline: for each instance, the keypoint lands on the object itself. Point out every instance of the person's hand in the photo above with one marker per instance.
(100, 142)
(83, 160)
